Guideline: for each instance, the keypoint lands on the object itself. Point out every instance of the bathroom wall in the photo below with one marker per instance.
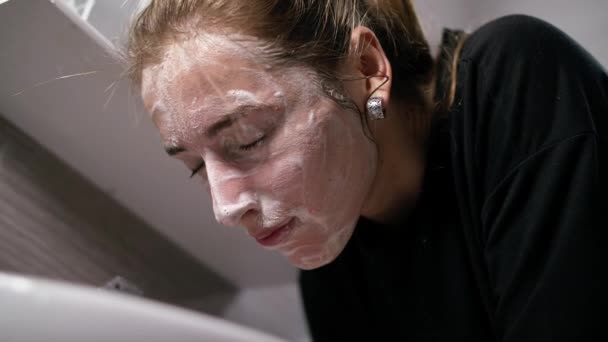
(56, 224)
(435, 15)
(111, 17)
(274, 309)
(584, 20)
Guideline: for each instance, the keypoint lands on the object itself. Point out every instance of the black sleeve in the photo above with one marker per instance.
(545, 246)
(535, 147)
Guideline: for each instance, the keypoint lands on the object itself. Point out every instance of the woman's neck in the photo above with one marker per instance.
(401, 139)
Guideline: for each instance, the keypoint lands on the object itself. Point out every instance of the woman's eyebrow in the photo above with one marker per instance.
(226, 121)
(229, 118)
(174, 150)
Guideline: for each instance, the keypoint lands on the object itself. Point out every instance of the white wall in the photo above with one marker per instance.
(276, 310)
(111, 18)
(438, 14)
(584, 20)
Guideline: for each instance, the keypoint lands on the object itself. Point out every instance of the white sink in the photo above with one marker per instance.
(37, 310)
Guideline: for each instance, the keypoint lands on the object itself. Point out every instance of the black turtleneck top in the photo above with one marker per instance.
(509, 238)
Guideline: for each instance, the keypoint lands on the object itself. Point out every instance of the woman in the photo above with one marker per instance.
(456, 200)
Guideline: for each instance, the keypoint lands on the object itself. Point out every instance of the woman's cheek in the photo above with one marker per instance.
(286, 179)
(321, 170)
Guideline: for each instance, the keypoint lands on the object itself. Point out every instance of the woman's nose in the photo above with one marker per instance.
(231, 194)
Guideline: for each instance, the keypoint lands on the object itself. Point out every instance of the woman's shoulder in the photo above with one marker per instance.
(524, 70)
(519, 35)
(523, 86)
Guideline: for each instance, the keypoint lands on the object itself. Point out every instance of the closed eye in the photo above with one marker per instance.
(247, 147)
(197, 169)
(253, 145)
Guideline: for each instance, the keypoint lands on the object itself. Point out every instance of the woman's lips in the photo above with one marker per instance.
(276, 235)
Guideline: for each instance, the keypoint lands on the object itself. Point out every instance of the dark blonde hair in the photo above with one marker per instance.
(313, 33)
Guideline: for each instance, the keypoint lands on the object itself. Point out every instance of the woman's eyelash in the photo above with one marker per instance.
(253, 144)
(247, 147)
(197, 169)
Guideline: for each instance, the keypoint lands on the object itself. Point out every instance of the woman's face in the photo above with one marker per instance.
(280, 159)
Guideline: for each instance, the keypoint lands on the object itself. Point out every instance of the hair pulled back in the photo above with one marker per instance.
(314, 33)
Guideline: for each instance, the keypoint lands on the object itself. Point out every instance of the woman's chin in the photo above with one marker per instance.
(312, 259)
(309, 266)
(317, 246)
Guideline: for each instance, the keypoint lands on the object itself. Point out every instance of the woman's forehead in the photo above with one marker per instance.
(187, 83)
(193, 79)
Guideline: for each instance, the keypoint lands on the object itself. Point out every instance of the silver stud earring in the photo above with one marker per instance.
(374, 108)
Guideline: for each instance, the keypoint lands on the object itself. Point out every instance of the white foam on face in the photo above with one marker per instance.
(181, 57)
(313, 255)
(305, 125)
(287, 162)
(194, 100)
(228, 212)
(247, 131)
(311, 118)
(231, 174)
(149, 85)
(158, 107)
(319, 177)
(329, 251)
(243, 96)
(272, 211)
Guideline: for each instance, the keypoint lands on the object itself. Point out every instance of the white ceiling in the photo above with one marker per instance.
(103, 132)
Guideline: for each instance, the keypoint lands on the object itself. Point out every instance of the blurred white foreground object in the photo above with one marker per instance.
(82, 7)
(34, 310)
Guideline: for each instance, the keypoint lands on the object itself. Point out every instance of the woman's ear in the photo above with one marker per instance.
(367, 61)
